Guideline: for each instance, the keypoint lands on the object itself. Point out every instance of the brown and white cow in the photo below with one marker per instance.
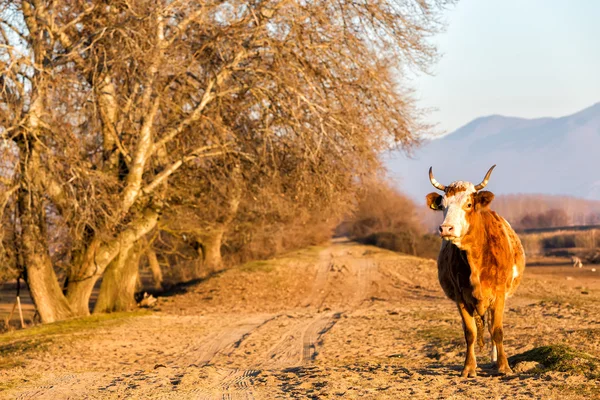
(480, 264)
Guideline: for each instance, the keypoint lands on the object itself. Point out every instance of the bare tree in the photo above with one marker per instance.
(383, 214)
(103, 103)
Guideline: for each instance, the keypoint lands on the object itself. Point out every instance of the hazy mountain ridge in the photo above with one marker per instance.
(559, 156)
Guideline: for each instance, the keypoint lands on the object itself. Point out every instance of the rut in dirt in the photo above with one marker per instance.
(340, 285)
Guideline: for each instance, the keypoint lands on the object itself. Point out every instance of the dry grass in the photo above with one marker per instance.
(386, 218)
(560, 358)
(17, 346)
(574, 243)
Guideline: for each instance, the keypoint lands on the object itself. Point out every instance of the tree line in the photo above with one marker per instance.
(385, 217)
(143, 132)
(527, 211)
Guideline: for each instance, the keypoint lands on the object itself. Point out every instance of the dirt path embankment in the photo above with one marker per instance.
(344, 321)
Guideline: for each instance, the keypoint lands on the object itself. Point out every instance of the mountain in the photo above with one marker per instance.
(559, 156)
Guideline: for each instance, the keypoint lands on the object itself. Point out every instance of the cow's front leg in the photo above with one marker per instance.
(470, 330)
(497, 313)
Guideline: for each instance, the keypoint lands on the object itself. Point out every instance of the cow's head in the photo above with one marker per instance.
(461, 203)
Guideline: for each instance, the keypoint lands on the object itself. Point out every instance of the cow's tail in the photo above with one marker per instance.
(480, 323)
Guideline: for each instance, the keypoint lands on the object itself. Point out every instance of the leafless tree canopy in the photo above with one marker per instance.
(119, 118)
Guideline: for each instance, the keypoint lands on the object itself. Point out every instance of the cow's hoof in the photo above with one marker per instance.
(469, 372)
(504, 369)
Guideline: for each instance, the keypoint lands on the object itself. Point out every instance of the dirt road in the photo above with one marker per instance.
(344, 321)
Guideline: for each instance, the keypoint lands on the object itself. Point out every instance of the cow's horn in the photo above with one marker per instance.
(434, 182)
(486, 179)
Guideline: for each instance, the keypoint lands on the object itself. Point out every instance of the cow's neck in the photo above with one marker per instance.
(474, 243)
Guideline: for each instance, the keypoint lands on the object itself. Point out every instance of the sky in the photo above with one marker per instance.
(525, 58)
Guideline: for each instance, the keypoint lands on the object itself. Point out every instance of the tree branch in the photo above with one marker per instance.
(206, 98)
(185, 23)
(137, 229)
(142, 154)
(163, 175)
(5, 197)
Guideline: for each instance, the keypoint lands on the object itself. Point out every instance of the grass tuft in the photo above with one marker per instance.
(441, 334)
(257, 266)
(560, 358)
(70, 325)
(17, 344)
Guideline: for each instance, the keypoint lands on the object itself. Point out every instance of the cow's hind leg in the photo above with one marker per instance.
(497, 313)
(494, 351)
(470, 330)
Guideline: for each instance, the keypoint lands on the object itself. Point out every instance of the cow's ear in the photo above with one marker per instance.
(483, 199)
(434, 201)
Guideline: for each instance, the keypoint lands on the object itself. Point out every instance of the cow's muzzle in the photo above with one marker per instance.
(447, 232)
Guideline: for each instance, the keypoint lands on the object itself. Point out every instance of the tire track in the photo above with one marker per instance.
(318, 293)
(344, 278)
(228, 384)
(313, 333)
(298, 346)
(365, 272)
(225, 340)
(190, 358)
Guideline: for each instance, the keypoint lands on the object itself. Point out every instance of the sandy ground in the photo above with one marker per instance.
(343, 321)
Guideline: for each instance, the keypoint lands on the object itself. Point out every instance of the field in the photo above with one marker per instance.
(340, 321)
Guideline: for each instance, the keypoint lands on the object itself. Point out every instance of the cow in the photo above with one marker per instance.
(576, 262)
(480, 264)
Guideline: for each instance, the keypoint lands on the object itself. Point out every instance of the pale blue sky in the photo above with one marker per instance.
(526, 58)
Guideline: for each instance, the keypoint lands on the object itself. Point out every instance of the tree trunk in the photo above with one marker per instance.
(119, 282)
(157, 275)
(79, 293)
(211, 246)
(98, 258)
(212, 241)
(43, 284)
(79, 285)
(33, 247)
(45, 291)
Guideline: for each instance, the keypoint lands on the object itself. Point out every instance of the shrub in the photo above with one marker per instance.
(386, 218)
(532, 244)
(559, 241)
(549, 243)
(429, 246)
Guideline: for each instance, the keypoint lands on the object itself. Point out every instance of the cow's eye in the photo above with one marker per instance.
(469, 205)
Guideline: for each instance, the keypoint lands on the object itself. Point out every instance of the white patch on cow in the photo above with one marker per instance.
(515, 274)
(454, 210)
(494, 353)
